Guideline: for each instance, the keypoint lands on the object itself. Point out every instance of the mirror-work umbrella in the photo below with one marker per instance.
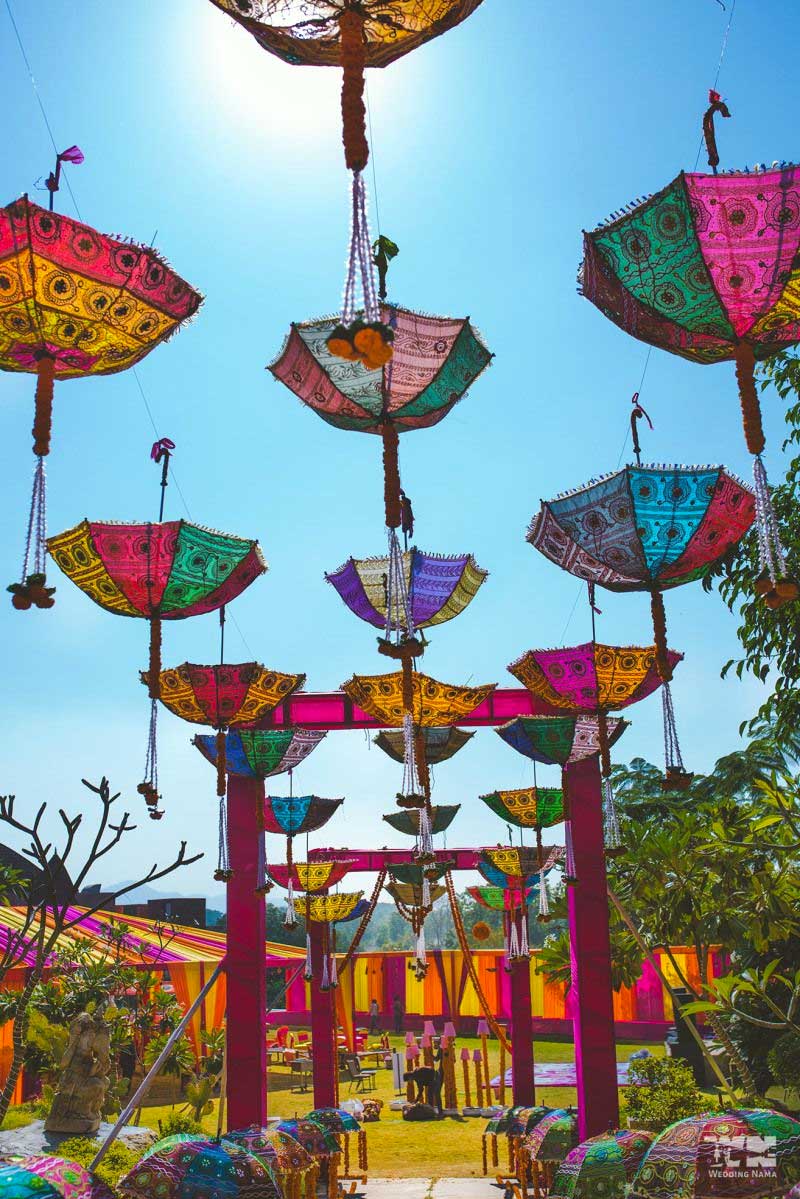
(291, 816)
(536, 808)
(430, 589)
(169, 570)
(561, 740)
(435, 360)
(518, 870)
(74, 303)
(48, 1178)
(197, 1169)
(282, 1155)
(223, 696)
(499, 899)
(706, 268)
(442, 816)
(551, 1139)
(344, 1125)
(646, 529)
(308, 876)
(513, 1123)
(602, 1167)
(601, 678)
(327, 910)
(430, 703)
(439, 744)
(261, 753)
(685, 1158)
(409, 895)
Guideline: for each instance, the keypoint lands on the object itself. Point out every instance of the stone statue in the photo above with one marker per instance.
(78, 1103)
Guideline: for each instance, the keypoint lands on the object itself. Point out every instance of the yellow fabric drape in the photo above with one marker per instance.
(487, 977)
(187, 984)
(537, 991)
(345, 993)
(452, 969)
(554, 1002)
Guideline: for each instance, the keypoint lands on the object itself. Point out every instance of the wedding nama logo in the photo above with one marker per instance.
(748, 1157)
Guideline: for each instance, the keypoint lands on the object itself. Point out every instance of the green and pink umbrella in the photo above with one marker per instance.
(41, 1177)
(198, 1169)
(602, 1167)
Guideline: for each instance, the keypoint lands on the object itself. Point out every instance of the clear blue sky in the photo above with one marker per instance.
(493, 147)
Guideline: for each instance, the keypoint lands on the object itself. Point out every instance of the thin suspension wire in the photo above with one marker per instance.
(722, 52)
(372, 159)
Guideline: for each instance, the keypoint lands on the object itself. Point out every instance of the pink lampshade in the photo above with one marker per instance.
(483, 1028)
(465, 1054)
(449, 1030)
(410, 1039)
(444, 1042)
(476, 1055)
(429, 1029)
(413, 1051)
(425, 1041)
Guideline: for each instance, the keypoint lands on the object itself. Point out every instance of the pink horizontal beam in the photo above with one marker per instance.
(333, 710)
(371, 861)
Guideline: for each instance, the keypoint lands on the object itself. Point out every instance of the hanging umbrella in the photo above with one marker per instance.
(409, 895)
(74, 303)
(408, 822)
(434, 362)
(310, 876)
(705, 268)
(198, 1168)
(415, 874)
(327, 910)
(344, 1125)
(602, 1167)
(439, 743)
(646, 529)
(261, 753)
(406, 592)
(39, 1177)
(291, 816)
(223, 696)
(707, 1155)
(529, 807)
(413, 887)
(518, 870)
(600, 678)
(169, 570)
(429, 704)
(499, 898)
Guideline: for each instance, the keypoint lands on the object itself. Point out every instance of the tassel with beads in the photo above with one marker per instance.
(570, 873)
(611, 830)
(290, 919)
(676, 776)
(223, 872)
(524, 947)
(544, 901)
(513, 941)
(308, 973)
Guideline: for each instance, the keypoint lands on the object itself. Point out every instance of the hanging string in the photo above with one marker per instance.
(399, 617)
(723, 50)
(360, 278)
(223, 872)
(32, 590)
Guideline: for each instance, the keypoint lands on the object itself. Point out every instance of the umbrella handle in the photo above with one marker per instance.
(354, 130)
(748, 397)
(717, 105)
(391, 476)
(43, 417)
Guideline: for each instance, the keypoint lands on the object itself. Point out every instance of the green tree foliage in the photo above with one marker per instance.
(666, 1092)
(770, 638)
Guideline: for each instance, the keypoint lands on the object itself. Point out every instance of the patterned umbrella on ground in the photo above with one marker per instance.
(708, 1155)
(561, 740)
(433, 363)
(707, 269)
(285, 1156)
(199, 1168)
(223, 696)
(343, 1125)
(316, 1139)
(40, 1177)
(74, 303)
(157, 571)
(441, 817)
(261, 753)
(327, 910)
(553, 1137)
(602, 1167)
(439, 743)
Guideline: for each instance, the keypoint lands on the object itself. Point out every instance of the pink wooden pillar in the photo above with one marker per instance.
(590, 953)
(524, 1090)
(323, 1026)
(245, 961)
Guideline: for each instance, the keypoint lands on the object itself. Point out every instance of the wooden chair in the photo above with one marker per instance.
(362, 1080)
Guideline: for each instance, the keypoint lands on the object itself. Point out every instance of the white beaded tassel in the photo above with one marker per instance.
(308, 973)
(524, 948)
(772, 556)
(673, 759)
(419, 951)
(544, 900)
(611, 830)
(290, 919)
(569, 864)
(513, 941)
(360, 267)
(425, 833)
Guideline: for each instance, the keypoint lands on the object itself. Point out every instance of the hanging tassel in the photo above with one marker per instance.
(611, 830)
(426, 891)
(308, 973)
(524, 947)
(425, 837)
(223, 872)
(419, 951)
(148, 788)
(773, 584)
(513, 941)
(334, 972)
(32, 591)
(290, 919)
(677, 778)
(325, 985)
(544, 901)
(353, 54)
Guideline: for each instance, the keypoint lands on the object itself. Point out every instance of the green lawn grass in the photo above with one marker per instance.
(397, 1149)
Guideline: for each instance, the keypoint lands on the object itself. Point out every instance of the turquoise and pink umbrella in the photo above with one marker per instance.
(41, 1177)
(602, 1167)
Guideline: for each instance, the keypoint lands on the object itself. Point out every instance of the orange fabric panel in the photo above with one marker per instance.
(554, 1002)
(432, 993)
(13, 981)
(625, 1004)
(186, 981)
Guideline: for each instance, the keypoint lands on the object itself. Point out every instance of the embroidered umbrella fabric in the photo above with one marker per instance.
(261, 753)
(552, 1137)
(344, 1125)
(441, 817)
(169, 570)
(707, 269)
(291, 816)
(434, 361)
(309, 876)
(39, 1177)
(316, 1138)
(439, 743)
(519, 870)
(327, 910)
(528, 807)
(199, 1168)
(432, 703)
(74, 303)
(707, 1155)
(499, 898)
(276, 1149)
(602, 1167)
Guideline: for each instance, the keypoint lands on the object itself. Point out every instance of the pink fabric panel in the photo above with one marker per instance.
(303, 375)
(571, 673)
(649, 995)
(218, 691)
(748, 227)
(129, 555)
(728, 517)
(421, 346)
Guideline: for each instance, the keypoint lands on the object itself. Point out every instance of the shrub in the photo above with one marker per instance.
(177, 1122)
(784, 1061)
(118, 1160)
(666, 1092)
